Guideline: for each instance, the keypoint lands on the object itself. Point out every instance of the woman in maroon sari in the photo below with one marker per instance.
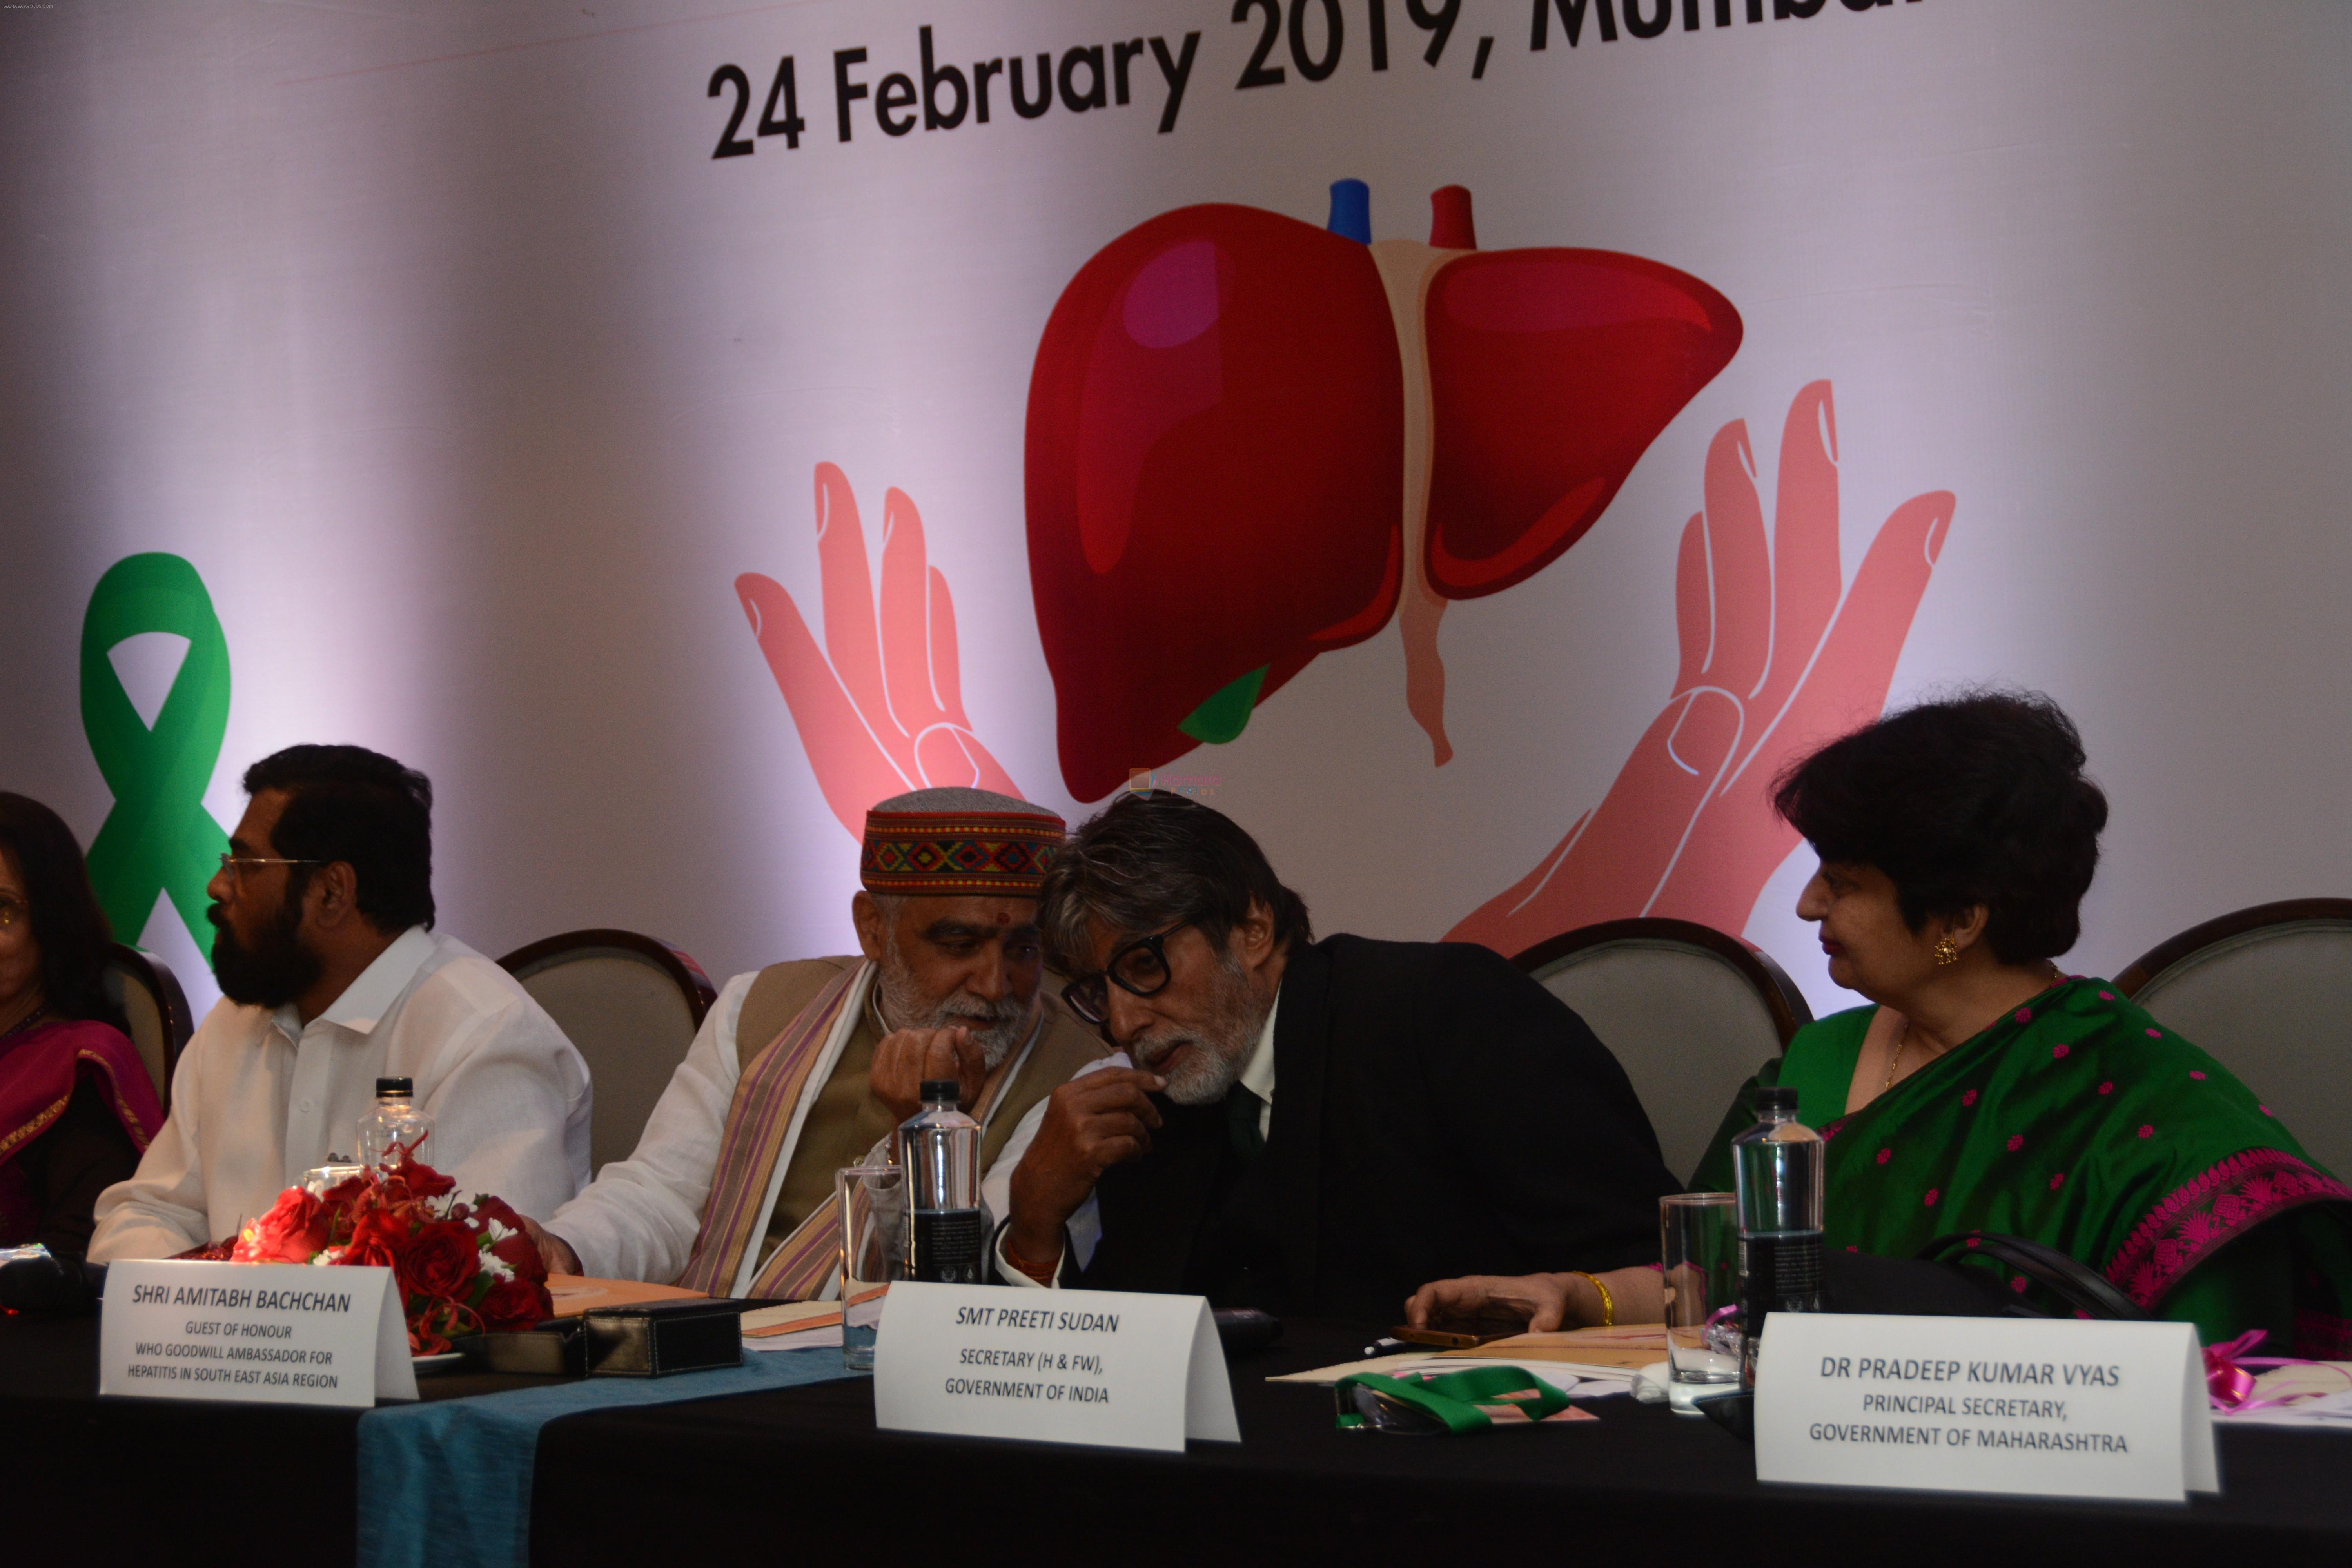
(76, 1106)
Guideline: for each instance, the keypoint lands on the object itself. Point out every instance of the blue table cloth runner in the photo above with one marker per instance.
(446, 1484)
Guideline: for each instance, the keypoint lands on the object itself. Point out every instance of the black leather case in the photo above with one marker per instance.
(556, 1349)
(663, 1337)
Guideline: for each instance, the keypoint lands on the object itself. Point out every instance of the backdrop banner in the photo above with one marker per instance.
(1475, 443)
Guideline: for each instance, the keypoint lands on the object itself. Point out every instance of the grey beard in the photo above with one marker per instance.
(996, 1028)
(1226, 1039)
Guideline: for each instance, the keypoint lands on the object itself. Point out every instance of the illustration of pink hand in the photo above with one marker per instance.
(879, 715)
(1773, 662)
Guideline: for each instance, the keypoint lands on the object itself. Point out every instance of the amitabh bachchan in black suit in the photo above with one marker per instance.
(1311, 1128)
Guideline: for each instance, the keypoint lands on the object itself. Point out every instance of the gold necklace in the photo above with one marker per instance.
(2054, 976)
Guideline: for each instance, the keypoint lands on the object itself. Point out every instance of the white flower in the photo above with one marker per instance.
(496, 1268)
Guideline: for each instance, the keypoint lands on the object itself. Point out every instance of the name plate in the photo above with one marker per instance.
(275, 1333)
(2043, 1407)
(1057, 1366)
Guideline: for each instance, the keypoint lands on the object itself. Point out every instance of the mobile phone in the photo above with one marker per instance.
(1460, 1333)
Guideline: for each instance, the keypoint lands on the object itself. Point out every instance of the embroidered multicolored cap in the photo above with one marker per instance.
(945, 843)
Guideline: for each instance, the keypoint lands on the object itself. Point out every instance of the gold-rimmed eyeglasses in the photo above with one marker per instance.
(231, 862)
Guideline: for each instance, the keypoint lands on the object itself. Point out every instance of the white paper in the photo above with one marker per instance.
(1102, 1367)
(2328, 1410)
(823, 1338)
(277, 1333)
(2012, 1405)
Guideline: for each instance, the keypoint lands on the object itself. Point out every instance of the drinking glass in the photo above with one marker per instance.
(1699, 1239)
(873, 1202)
(319, 1179)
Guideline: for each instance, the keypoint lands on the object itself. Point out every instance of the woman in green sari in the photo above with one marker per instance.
(1985, 1091)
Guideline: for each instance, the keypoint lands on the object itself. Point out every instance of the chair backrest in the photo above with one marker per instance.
(631, 1005)
(149, 994)
(1689, 1012)
(2268, 991)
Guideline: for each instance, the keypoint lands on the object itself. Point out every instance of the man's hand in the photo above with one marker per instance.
(554, 1252)
(1091, 1123)
(905, 1058)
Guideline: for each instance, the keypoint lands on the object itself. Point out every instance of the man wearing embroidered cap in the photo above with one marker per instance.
(804, 1067)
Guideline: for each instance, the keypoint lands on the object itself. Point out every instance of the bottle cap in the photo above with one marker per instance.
(1776, 1099)
(384, 1086)
(946, 1089)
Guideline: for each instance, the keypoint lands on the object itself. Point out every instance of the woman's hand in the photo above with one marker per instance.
(1547, 1301)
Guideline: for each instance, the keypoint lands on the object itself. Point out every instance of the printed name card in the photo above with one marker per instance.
(1060, 1366)
(277, 1333)
(2047, 1408)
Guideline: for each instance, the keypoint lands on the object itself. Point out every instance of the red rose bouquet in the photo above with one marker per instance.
(463, 1262)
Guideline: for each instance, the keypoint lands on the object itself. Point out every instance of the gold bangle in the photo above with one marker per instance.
(1608, 1302)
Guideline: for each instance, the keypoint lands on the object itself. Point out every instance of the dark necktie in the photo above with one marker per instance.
(1242, 1112)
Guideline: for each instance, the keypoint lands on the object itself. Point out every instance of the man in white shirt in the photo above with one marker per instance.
(332, 977)
(807, 1065)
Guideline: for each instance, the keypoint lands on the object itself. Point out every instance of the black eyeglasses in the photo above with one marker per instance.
(1140, 968)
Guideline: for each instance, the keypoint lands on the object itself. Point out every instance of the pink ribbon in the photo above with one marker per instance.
(2231, 1385)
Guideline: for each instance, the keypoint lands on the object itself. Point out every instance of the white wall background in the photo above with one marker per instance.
(431, 334)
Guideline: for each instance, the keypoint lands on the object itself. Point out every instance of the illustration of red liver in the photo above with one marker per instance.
(1550, 373)
(1215, 458)
(1249, 438)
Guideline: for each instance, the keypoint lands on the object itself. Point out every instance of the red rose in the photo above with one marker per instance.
(295, 1230)
(345, 1192)
(439, 1260)
(515, 1304)
(376, 1240)
(420, 1179)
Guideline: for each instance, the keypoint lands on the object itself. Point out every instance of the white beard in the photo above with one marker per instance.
(997, 1029)
(1222, 1043)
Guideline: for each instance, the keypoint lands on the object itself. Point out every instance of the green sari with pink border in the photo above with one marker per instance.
(2080, 1122)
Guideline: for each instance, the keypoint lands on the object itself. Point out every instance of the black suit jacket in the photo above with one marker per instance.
(1436, 1113)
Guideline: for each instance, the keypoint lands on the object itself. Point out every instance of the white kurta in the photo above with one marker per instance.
(638, 1219)
(259, 1099)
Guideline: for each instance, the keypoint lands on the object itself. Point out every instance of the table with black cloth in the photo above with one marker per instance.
(801, 1474)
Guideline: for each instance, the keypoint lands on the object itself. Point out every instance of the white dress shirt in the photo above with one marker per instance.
(1085, 1228)
(640, 1216)
(259, 1098)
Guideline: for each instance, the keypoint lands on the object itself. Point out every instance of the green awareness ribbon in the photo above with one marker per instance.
(1447, 1402)
(159, 838)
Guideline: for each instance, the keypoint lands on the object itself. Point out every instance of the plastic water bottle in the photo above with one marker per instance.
(1777, 1167)
(394, 1120)
(940, 1147)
